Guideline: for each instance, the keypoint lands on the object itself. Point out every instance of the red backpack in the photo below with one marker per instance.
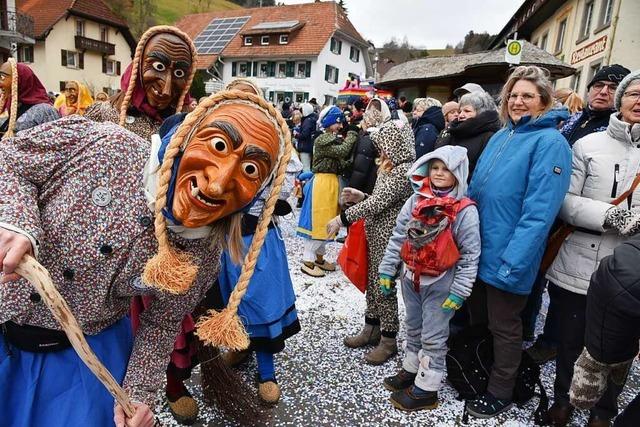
(430, 248)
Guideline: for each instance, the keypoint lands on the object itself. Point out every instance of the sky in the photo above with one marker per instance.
(429, 24)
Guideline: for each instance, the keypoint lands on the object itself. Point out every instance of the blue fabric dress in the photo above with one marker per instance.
(57, 389)
(268, 308)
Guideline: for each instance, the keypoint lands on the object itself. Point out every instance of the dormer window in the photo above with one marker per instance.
(284, 38)
(264, 40)
(248, 40)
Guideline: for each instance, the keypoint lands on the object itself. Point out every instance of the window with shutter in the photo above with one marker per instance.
(62, 86)
(291, 66)
(308, 70)
(104, 64)
(234, 69)
(336, 77)
(118, 68)
(63, 54)
(272, 69)
(81, 60)
(326, 72)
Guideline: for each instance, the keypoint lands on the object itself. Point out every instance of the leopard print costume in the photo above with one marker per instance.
(380, 210)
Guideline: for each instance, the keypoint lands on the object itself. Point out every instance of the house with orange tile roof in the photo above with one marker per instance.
(79, 40)
(294, 52)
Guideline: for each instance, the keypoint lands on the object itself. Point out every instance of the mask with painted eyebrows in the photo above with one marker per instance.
(231, 154)
(166, 65)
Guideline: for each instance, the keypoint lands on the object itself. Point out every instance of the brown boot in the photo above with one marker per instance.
(369, 335)
(560, 414)
(383, 352)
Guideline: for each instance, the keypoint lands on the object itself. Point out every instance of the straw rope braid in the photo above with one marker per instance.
(225, 328)
(13, 111)
(136, 65)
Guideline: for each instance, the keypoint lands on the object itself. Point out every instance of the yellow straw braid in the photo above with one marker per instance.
(136, 65)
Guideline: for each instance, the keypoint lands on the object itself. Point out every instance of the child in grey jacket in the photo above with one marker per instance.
(437, 242)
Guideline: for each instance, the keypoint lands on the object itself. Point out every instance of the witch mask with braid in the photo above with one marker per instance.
(214, 164)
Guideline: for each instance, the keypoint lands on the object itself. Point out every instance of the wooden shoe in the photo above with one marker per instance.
(311, 269)
(269, 391)
(325, 265)
(184, 410)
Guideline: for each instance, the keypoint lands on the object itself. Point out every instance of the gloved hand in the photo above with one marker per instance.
(453, 302)
(334, 226)
(387, 285)
(351, 196)
(626, 222)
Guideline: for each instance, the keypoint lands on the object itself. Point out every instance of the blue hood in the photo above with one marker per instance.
(550, 119)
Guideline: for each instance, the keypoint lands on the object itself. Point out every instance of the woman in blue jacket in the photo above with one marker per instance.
(519, 184)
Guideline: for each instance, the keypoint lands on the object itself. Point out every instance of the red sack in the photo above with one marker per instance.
(353, 256)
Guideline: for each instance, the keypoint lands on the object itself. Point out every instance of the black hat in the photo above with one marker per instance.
(613, 73)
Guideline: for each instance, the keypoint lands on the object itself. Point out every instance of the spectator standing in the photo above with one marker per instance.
(405, 105)
(394, 142)
(75, 99)
(594, 118)
(475, 125)
(519, 184)
(604, 166)
(569, 99)
(467, 88)
(307, 135)
(450, 112)
(428, 122)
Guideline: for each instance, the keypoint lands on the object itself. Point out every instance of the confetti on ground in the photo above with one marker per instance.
(326, 384)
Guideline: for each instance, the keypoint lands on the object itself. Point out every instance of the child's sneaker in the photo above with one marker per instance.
(399, 381)
(414, 399)
(488, 406)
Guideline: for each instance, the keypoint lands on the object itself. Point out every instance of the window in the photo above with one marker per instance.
(284, 38)
(243, 69)
(329, 100)
(263, 69)
(248, 40)
(104, 33)
(606, 12)
(562, 28)
(336, 46)
(354, 54)
(111, 67)
(25, 53)
(587, 17)
(593, 69)
(543, 41)
(331, 74)
(72, 59)
(303, 69)
(575, 81)
(79, 28)
(282, 70)
(264, 40)
(301, 97)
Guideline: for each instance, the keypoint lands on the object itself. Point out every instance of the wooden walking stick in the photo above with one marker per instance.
(39, 277)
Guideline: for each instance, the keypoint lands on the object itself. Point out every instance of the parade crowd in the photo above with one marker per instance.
(146, 208)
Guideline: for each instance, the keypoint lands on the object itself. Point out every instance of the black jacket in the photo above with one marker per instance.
(613, 305)
(472, 134)
(364, 170)
(307, 133)
(584, 123)
(426, 130)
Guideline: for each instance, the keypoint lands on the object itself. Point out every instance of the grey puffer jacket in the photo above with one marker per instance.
(604, 166)
(465, 228)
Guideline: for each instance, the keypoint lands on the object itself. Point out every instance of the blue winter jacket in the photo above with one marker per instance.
(519, 184)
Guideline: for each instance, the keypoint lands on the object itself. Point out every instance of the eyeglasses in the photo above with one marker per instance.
(526, 97)
(632, 96)
(598, 86)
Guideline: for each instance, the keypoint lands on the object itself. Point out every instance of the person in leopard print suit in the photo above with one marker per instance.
(396, 144)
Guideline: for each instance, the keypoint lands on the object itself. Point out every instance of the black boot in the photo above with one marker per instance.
(414, 399)
(399, 381)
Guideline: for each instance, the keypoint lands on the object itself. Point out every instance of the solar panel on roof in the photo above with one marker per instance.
(275, 25)
(215, 37)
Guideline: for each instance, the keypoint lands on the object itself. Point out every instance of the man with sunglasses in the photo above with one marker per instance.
(595, 117)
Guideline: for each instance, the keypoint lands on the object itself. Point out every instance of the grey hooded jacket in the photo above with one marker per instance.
(465, 229)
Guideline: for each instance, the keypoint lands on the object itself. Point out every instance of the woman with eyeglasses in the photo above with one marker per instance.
(519, 183)
(605, 165)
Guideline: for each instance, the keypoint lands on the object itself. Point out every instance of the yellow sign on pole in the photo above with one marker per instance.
(513, 52)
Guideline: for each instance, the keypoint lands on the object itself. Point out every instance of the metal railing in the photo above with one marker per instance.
(17, 22)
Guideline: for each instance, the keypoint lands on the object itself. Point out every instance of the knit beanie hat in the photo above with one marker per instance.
(332, 116)
(449, 107)
(624, 84)
(613, 73)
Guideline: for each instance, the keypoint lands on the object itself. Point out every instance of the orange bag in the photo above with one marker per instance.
(353, 256)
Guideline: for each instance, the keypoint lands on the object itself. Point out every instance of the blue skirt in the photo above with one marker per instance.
(267, 309)
(57, 389)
